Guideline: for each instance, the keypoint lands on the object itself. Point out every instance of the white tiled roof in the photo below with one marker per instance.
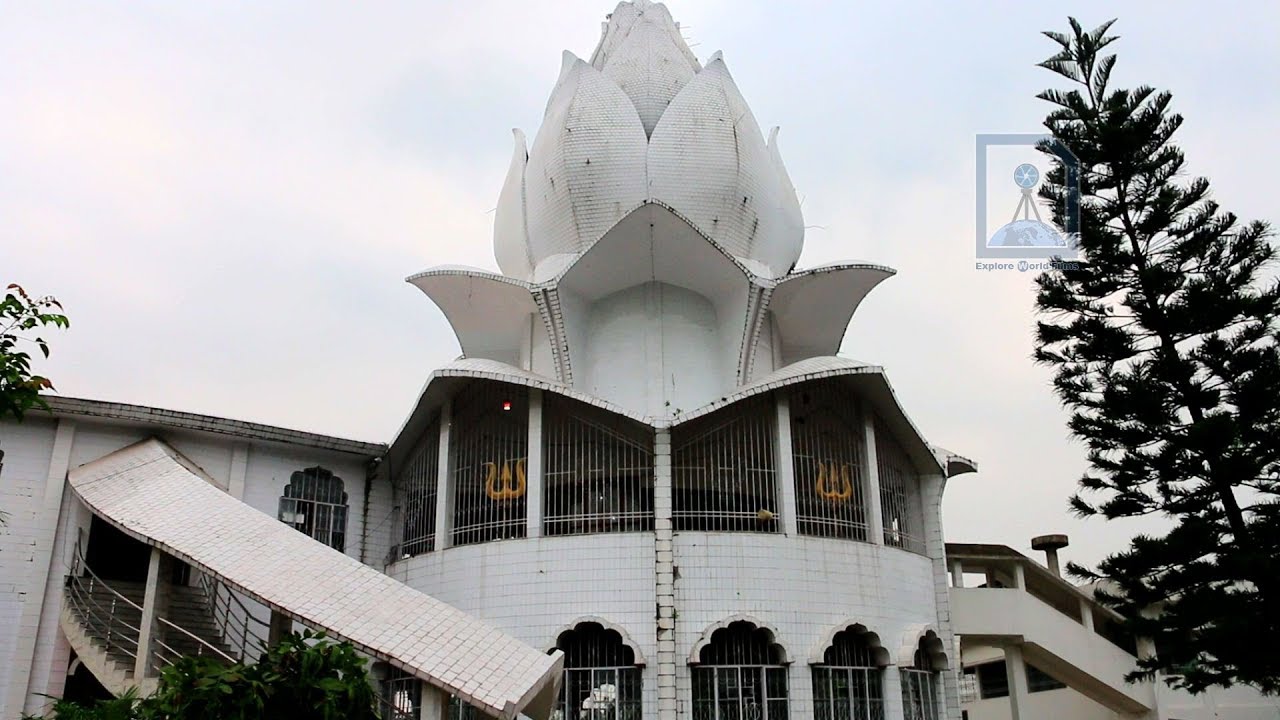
(151, 492)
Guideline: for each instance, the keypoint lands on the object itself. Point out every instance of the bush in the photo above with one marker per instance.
(304, 677)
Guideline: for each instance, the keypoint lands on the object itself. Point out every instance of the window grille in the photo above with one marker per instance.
(402, 699)
(402, 695)
(723, 468)
(920, 686)
(488, 444)
(828, 456)
(848, 684)
(598, 470)
(741, 676)
(601, 679)
(315, 503)
(418, 495)
(899, 493)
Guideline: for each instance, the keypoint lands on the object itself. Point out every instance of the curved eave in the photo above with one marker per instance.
(446, 381)
(954, 464)
(489, 313)
(813, 308)
(870, 380)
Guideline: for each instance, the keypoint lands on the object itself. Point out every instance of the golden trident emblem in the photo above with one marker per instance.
(506, 491)
(833, 482)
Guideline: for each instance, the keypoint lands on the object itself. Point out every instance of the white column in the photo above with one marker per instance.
(1019, 577)
(43, 604)
(871, 477)
(957, 574)
(434, 703)
(533, 467)
(786, 467)
(893, 693)
(147, 626)
(1086, 614)
(239, 470)
(1016, 669)
(444, 481)
(664, 574)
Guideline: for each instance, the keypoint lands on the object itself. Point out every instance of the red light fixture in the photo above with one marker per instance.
(506, 405)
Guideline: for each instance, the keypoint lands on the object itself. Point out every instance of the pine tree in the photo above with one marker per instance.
(1163, 342)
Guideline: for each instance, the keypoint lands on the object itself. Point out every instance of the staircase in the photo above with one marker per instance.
(102, 621)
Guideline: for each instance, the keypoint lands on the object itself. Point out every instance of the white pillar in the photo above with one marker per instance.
(957, 574)
(239, 470)
(1016, 669)
(1086, 614)
(147, 626)
(533, 467)
(871, 476)
(434, 703)
(664, 574)
(1019, 577)
(893, 693)
(786, 467)
(444, 481)
(38, 618)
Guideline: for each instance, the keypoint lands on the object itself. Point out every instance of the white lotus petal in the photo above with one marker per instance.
(614, 31)
(708, 160)
(651, 66)
(791, 217)
(510, 239)
(587, 166)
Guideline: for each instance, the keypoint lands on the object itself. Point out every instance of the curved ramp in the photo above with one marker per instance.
(151, 492)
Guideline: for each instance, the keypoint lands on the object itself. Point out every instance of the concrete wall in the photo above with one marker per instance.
(802, 588)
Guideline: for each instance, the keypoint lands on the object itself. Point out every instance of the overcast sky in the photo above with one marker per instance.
(227, 196)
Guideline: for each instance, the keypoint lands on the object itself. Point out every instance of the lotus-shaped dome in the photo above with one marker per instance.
(645, 123)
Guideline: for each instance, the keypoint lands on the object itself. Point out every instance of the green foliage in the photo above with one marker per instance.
(20, 316)
(124, 707)
(1164, 347)
(304, 677)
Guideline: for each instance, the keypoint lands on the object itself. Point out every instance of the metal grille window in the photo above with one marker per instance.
(848, 684)
(920, 686)
(741, 676)
(417, 494)
(315, 503)
(488, 444)
(899, 493)
(723, 466)
(601, 679)
(598, 470)
(402, 699)
(827, 441)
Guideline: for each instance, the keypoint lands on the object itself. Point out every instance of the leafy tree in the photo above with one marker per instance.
(20, 316)
(1163, 343)
(304, 677)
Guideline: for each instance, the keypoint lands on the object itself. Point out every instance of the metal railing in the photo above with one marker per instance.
(114, 622)
(104, 617)
(241, 631)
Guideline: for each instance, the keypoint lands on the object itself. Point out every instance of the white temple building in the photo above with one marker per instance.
(648, 489)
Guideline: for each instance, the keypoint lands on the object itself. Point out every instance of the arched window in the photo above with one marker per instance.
(598, 469)
(488, 445)
(741, 675)
(723, 469)
(849, 685)
(315, 503)
(899, 493)
(921, 682)
(828, 442)
(416, 488)
(601, 679)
